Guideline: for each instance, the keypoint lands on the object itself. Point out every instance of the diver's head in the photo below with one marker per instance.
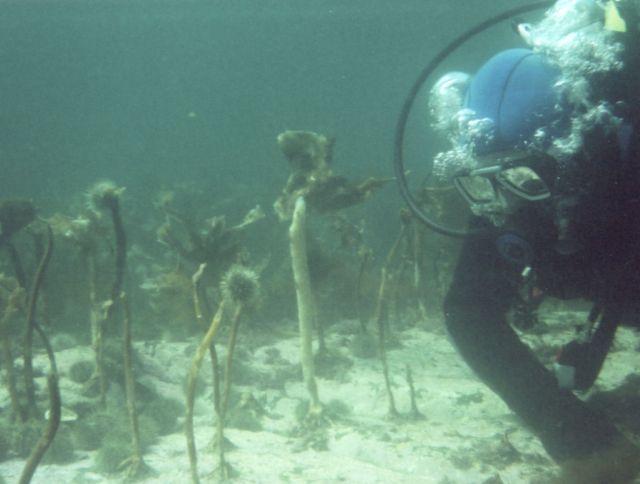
(512, 114)
(514, 93)
(536, 105)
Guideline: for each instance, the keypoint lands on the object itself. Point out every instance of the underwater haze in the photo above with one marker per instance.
(153, 93)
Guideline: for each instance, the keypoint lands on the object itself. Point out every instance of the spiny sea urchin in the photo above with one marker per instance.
(240, 285)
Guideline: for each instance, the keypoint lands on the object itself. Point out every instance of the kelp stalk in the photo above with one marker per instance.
(12, 306)
(197, 303)
(49, 432)
(191, 390)
(97, 317)
(31, 323)
(121, 249)
(365, 258)
(136, 462)
(418, 251)
(200, 309)
(105, 195)
(379, 319)
(240, 287)
(304, 297)
(16, 262)
(415, 413)
(55, 405)
(15, 215)
(224, 404)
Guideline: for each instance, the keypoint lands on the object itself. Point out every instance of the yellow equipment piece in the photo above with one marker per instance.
(612, 19)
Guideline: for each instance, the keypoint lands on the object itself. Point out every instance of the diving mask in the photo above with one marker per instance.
(504, 182)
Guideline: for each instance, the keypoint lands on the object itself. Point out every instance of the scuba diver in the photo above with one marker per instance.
(546, 152)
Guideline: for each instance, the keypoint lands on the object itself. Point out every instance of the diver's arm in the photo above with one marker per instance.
(475, 312)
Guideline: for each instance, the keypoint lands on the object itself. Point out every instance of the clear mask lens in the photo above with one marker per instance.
(504, 185)
(475, 189)
(524, 182)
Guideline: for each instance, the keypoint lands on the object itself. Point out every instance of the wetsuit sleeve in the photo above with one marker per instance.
(475, 312)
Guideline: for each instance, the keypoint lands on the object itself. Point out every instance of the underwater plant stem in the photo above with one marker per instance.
(129, 386)
(47, 346)
(381, 343)
(54, 413)
(49, 433)
(7, 363)
(38, 241)
(200, 317)
(304, 297)
(197, 303)
(417, 274)
(98, 318)
(224, 403)
(397, 266)
(191, 390)
(213, 355)
(415, 413)
(16, 262)
(364, 262)
(322, 344)
(233, 335)
(382, 290)
(103, 313)
(97, 330)
(121, 253)
(30, 323)
(379, 318)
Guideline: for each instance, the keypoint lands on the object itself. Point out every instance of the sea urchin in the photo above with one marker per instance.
(240, 285)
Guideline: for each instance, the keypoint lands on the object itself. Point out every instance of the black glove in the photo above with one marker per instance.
(578, 364)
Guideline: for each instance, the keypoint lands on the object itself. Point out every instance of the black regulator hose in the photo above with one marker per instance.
(398, 162)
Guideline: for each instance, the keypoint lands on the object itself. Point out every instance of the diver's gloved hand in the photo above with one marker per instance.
(578, 364)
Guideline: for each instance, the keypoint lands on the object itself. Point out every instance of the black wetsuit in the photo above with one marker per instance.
(484, 288)
(605, 269)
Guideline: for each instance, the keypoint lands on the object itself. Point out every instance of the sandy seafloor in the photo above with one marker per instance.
(468, 434)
